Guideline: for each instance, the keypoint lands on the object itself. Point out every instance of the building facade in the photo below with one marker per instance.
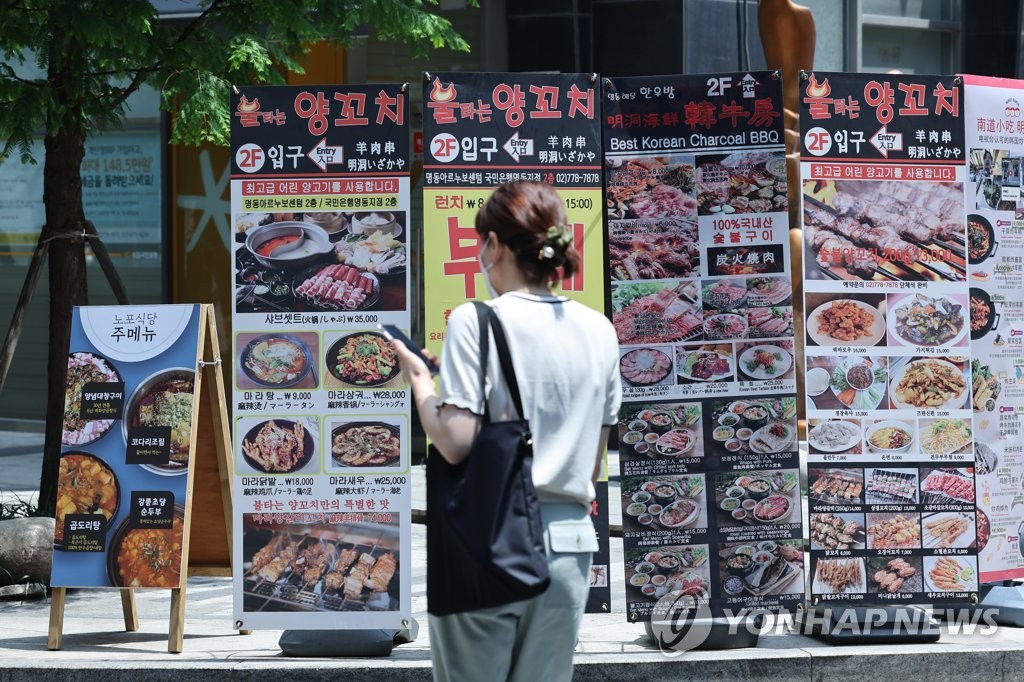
(164, 211)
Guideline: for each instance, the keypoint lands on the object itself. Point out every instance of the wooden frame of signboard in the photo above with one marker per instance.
(206, 547)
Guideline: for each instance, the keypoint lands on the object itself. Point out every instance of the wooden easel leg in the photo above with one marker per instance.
(176, 639)
(57, 597)
(131, 614)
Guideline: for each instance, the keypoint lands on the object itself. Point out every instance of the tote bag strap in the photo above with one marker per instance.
(505, 358)
(483, 316)
(487, 318)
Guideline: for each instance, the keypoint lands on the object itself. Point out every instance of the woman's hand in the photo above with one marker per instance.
(414, 369)
(451, 429)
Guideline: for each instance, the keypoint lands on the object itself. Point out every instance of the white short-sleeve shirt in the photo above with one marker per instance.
(565, 357)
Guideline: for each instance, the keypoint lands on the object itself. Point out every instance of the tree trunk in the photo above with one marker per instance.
(65, 217)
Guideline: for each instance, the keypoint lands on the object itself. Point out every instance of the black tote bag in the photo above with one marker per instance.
(485, 543)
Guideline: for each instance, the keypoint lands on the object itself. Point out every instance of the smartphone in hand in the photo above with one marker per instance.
(393, 333)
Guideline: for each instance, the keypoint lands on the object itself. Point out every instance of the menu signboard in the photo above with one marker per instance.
(888, 348)
(995, 251)
(319, 203)
(129, 422)
(698, 240)
(484, 129)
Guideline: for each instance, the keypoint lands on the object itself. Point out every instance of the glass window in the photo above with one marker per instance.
(927, 52)
(908, 36)
(937, 10)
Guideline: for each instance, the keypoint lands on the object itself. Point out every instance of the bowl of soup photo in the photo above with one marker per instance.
(147, 557)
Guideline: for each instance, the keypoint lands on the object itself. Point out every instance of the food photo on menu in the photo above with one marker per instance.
(949, 530)
(646, 366)
(85, 485)
(981, 240)
(651, 573)
(891, 436)
(361, 359)
(85, 368)
(951, 573)
(947, 486)
(891, 485)
(984, 317)
(769, 291)
(835, 486)
(765, 323)
(921, 321)
(651, 187)
(985, 387)
(320, 566)
(647, 248)
(834, 436)
(742, 182)
(767, 567)
(766, 361)
(664, 503)
(884, 231)
(323, 261)
(724, 296)
(846, 319)
(660, 432)
(273, 360)
(725, 308)
(985, 459)
(839, 531)
(894, 530)
(758, 426)
(699, 364)
(278, 445)
(889, 574)
(746, 499)
(946, 436)
(846, 382)
(839, 576)
(164, 399)
(364, 444)
(653, 313)
(146, 557)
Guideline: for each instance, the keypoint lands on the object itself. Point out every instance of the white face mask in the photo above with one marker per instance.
(485, 268)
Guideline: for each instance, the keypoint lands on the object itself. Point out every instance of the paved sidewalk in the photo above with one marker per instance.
(97, 647)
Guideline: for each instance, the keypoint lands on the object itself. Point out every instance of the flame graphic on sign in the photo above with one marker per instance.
(442, 94)
(815, 89)
(245, 105)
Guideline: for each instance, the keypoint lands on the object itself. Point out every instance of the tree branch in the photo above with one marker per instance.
(36, 83)
(185, 33)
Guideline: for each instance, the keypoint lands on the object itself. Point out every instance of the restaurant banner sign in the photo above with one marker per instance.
(995, 251)
(701, 299)
(484, 129)
(129, 418)
(320, 217)
(888, 347)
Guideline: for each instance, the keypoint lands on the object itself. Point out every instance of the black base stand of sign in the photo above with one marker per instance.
(704, 633)
(1007, 602)
(999, 605)
(837, 624)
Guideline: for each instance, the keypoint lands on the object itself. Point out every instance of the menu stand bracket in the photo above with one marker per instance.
(211, 404)
(1002, 604)
(705, 634)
